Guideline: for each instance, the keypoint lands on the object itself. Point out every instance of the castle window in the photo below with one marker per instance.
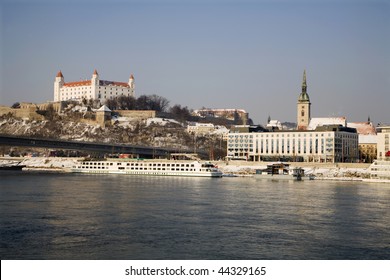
(303, 113)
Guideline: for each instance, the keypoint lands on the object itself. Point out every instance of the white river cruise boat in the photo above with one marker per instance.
(148, 167)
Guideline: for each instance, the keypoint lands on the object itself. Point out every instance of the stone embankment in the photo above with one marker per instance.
(323, 171)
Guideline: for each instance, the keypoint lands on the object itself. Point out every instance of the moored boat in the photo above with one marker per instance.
(282, 171)
(12, 166)
(148, 167)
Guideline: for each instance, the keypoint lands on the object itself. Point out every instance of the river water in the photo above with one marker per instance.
(77, 216)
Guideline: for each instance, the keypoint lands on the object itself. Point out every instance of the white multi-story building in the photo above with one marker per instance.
(200, 128)
(91, 89)
(383, 147)
(209, 129)
(328, 145)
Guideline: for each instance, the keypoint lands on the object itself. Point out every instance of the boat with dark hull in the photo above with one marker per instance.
(12, 166)
(282, 171)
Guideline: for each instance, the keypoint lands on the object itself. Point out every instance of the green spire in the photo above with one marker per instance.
(304, 85)
(304, 96)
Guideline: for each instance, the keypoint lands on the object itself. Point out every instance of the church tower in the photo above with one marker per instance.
(58, 83)
(303, 106)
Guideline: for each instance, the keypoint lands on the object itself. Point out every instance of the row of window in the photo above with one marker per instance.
(282, 135)
(140, 168)
(99, 163)
(282, 146)
(265, 134)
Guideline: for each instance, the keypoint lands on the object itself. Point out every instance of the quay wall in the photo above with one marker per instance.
(296, 164)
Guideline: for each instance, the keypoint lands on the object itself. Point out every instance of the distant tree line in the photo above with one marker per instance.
(143, 102)
(150, 102)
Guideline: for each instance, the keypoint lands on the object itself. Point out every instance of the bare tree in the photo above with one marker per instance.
(126, 102)
(180, 113)
(16, 105)
(158, 103)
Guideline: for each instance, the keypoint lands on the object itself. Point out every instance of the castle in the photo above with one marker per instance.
(91, 89)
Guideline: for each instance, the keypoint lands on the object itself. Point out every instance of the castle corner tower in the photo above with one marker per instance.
(58, 83)
(303, 106)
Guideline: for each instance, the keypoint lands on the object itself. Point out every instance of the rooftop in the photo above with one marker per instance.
(316, 122)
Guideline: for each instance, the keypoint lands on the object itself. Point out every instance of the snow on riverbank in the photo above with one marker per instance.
(334, 172)
(42, 163)
(321, 172)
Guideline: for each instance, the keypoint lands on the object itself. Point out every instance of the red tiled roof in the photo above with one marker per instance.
(364, 128)
(101, 83)
(77, 84)
(131, 76)
(95, 72)
(59, 75)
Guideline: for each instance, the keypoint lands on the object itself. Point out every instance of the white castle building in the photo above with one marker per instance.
(91, 89)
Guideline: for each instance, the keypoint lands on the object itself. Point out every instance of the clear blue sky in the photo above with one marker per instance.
(215, 54)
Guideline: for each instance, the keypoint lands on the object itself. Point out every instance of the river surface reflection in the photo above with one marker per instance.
(74, 216)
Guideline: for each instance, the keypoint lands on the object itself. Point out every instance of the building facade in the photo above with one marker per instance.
(383, 147)
(236, 115)
(91, 89)
(200, 128)
(368, 140)
(326, 145)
